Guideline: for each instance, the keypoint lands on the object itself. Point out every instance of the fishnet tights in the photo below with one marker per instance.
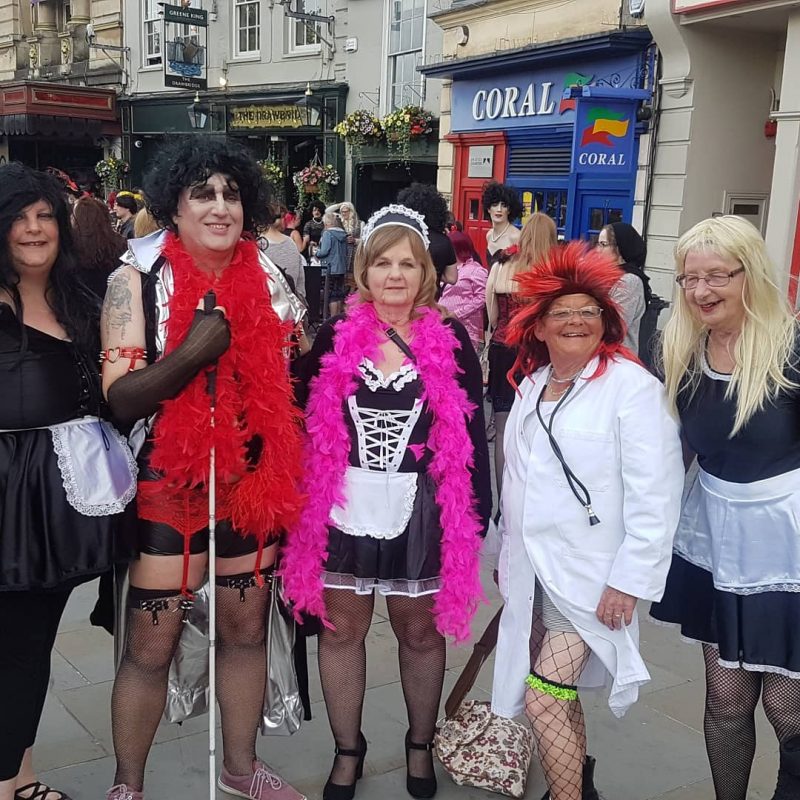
(558, 725)
(729, 724)
(343, 669)
(140, 687)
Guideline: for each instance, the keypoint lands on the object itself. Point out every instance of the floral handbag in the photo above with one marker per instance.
(477, 747)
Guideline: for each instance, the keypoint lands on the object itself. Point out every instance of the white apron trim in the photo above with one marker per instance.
(377, 504)
(745, 534)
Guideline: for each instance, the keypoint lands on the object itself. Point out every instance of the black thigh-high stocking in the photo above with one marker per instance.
(422, 654)
(781, 699)
(241, 666)
(729, 725)
(343, 673)
(155, 620)
(555, 712)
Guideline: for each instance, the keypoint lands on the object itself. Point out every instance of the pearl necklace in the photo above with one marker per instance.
(566, 380)
(493, 238)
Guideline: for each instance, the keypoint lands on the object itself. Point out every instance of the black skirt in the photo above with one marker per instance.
(759, 632)
(44, 542)
(408, 564)
(500, 391)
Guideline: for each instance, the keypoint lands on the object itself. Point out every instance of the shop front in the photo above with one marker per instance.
(289, 127)
(560, 123)
(51, 125)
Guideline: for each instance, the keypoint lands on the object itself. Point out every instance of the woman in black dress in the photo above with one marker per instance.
(731, 367)
(64, 476)
(396, 470)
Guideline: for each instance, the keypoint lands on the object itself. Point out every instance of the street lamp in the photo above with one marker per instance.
(311, 104)
(198, 114)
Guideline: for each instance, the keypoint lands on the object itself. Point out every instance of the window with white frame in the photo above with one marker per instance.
(151, 33)
(305, 36)
(406, 28)
(247, 27)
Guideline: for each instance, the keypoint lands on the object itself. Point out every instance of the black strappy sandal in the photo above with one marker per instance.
(40, 792)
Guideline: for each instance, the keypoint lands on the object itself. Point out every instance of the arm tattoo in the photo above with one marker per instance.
(117, 304)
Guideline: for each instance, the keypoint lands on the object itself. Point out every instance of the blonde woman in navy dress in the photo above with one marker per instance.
(731, 367)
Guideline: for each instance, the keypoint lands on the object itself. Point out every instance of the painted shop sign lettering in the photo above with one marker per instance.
(532, 97)
(285, 116)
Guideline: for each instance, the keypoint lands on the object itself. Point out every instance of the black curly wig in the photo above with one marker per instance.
(191, 160)
(426, 199)
(494, 192)
(75, 307)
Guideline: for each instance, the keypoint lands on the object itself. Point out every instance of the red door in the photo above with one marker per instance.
(466, 204)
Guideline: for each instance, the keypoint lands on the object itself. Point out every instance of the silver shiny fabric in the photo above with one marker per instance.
(283, 708)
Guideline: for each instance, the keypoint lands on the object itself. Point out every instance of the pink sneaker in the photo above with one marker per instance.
(261, 784)
(122, 792)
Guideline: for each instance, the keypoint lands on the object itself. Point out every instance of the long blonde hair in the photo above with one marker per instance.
(382, 239)
(766, 341)
(538, 235)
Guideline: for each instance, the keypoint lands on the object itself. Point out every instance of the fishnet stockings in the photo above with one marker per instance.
(729, 724)
(342, 659)
(422, 654)
(558, 725)
(140, 688)
(241, 670)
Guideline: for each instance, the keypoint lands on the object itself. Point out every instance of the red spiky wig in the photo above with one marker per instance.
(573, 268)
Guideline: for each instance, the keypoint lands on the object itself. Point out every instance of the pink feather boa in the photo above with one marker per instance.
(327, 449)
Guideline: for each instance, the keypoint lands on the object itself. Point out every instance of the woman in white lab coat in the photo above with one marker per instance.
(591, 498)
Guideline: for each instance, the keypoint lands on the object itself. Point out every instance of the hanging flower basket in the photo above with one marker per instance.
(111, 171)
(359, 128)
(402, 126)
(315, 180)
(274, 176)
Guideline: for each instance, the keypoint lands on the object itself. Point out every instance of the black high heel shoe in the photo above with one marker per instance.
(338, 791)
(419, 787)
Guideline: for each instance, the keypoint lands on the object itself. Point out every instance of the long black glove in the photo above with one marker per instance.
(138, 394)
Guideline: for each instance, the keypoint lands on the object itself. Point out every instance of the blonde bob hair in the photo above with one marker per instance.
(382, 239)
(766, 341)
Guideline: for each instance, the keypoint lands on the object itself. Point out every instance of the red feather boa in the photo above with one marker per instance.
(254, 398)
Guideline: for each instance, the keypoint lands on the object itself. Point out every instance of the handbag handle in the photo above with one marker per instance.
(480, 652)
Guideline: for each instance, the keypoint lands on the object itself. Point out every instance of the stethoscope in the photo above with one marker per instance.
(575, 484)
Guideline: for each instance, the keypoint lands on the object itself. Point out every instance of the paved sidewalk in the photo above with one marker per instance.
(655, 752)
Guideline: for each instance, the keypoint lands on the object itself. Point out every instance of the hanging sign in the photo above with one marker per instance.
(603, 142)
(186, 42)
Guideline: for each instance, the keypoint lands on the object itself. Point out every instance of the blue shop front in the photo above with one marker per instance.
(560, 122)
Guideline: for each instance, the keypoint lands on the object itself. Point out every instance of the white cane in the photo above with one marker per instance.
(209, 301)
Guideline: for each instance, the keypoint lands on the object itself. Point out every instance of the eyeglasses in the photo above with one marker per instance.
(564, 314)
(716, 279)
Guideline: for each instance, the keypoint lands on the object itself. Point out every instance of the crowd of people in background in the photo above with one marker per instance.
(353, 362)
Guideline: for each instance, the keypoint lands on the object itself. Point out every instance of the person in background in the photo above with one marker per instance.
(590, 503)
(332, 254)
(125, 209)
(466, 298)
(98, 245)
(502, 206)
(312, 230)
(731, 360)
(352, 227)
(623, 244)
(144, 224)
(65, 475)
(290, 225)
(283, 252)
(537, 239)
(425, 199)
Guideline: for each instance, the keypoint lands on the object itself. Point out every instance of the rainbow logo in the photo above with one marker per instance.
(573, 79)
(604, 123)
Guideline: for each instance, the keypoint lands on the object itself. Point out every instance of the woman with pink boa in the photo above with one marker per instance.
(397, 480)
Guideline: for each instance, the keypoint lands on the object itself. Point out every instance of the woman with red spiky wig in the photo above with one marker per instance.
(591, 497)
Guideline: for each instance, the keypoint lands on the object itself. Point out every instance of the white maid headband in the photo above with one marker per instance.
(397, 215)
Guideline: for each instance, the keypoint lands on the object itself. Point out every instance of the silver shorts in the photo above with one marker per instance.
(552, 618)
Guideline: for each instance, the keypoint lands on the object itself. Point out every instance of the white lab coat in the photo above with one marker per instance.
(617, 435)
